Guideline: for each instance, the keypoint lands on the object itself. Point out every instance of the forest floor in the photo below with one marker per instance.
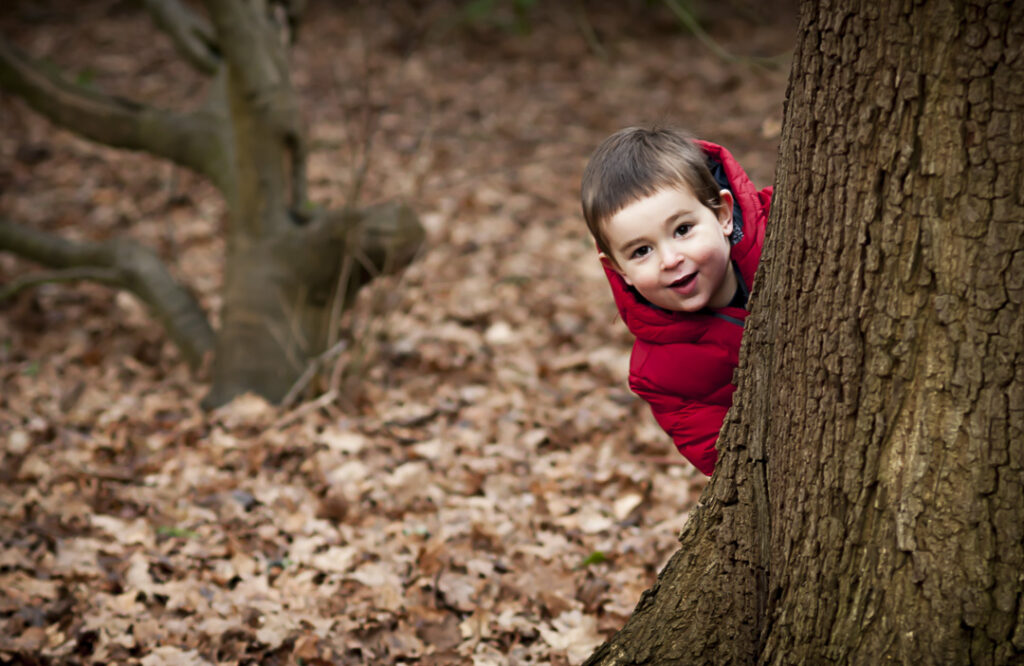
(472, 482)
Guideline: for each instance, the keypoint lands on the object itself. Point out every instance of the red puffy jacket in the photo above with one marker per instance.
(682, 363)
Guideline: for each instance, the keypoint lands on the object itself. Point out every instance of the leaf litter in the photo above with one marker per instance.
(481, 487)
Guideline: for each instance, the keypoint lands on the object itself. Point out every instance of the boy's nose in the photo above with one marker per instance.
(670, 257)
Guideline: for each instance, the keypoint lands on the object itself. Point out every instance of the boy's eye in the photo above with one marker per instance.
(683, 229)
(640, 252)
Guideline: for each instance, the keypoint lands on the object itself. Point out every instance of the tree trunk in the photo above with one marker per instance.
(270, 327)
(282, 288)
(868, 506)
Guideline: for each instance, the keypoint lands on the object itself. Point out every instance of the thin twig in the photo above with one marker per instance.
(311, 369)
(340, 292)
(360, 154)
(291, 311)
(281, 337)
(360, 345)
(686, 17)
(323, 401)
(375, 320)
(587, 29)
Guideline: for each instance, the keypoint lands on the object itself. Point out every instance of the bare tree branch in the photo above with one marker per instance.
(192, 34)
(125, 264)
(193, 140)
(77, 274)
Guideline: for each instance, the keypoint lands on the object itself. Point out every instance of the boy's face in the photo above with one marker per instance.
(675, 250)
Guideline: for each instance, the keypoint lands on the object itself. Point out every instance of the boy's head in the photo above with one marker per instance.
(635, 163)
(660, 218)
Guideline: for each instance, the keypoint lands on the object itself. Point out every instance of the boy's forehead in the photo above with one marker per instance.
(649, 193)
(663, 204)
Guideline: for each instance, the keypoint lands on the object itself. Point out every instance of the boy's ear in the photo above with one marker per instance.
(724, 212)
(610, 263)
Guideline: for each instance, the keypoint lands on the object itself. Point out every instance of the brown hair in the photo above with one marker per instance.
(636, 162)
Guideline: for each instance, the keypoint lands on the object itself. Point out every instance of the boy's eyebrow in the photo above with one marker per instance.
(631, 242)
(673, 217)
(682, 212)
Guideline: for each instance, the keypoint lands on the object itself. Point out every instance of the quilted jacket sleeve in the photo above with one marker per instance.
(694, 428)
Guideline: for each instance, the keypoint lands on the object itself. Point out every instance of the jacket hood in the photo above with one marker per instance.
(653, 324)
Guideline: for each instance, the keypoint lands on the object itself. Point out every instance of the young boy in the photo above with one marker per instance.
(679, 228)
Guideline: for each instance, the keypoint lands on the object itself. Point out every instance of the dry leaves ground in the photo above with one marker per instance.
(485, 489)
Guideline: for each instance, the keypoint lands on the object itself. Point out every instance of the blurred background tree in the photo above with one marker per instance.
(291, 266)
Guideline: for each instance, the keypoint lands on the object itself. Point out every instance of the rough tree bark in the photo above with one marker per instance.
(868, 506)
(287, 268)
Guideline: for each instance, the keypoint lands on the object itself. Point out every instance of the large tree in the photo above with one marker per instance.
(288, 265)
(868, 505)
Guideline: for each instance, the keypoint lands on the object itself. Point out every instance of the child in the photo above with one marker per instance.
(679, 228)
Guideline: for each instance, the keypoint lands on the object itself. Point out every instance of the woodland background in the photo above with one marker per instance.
(485, 489)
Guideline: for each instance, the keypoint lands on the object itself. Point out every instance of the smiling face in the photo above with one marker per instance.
(674, 250)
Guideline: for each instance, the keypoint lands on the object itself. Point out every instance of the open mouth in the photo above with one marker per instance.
(683, 281)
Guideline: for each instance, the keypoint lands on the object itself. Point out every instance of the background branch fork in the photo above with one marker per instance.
(191, 33)
(194, 140)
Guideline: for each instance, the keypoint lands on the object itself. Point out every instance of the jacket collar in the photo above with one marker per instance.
(654, 324)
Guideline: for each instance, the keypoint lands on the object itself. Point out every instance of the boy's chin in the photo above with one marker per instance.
(675, 305)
